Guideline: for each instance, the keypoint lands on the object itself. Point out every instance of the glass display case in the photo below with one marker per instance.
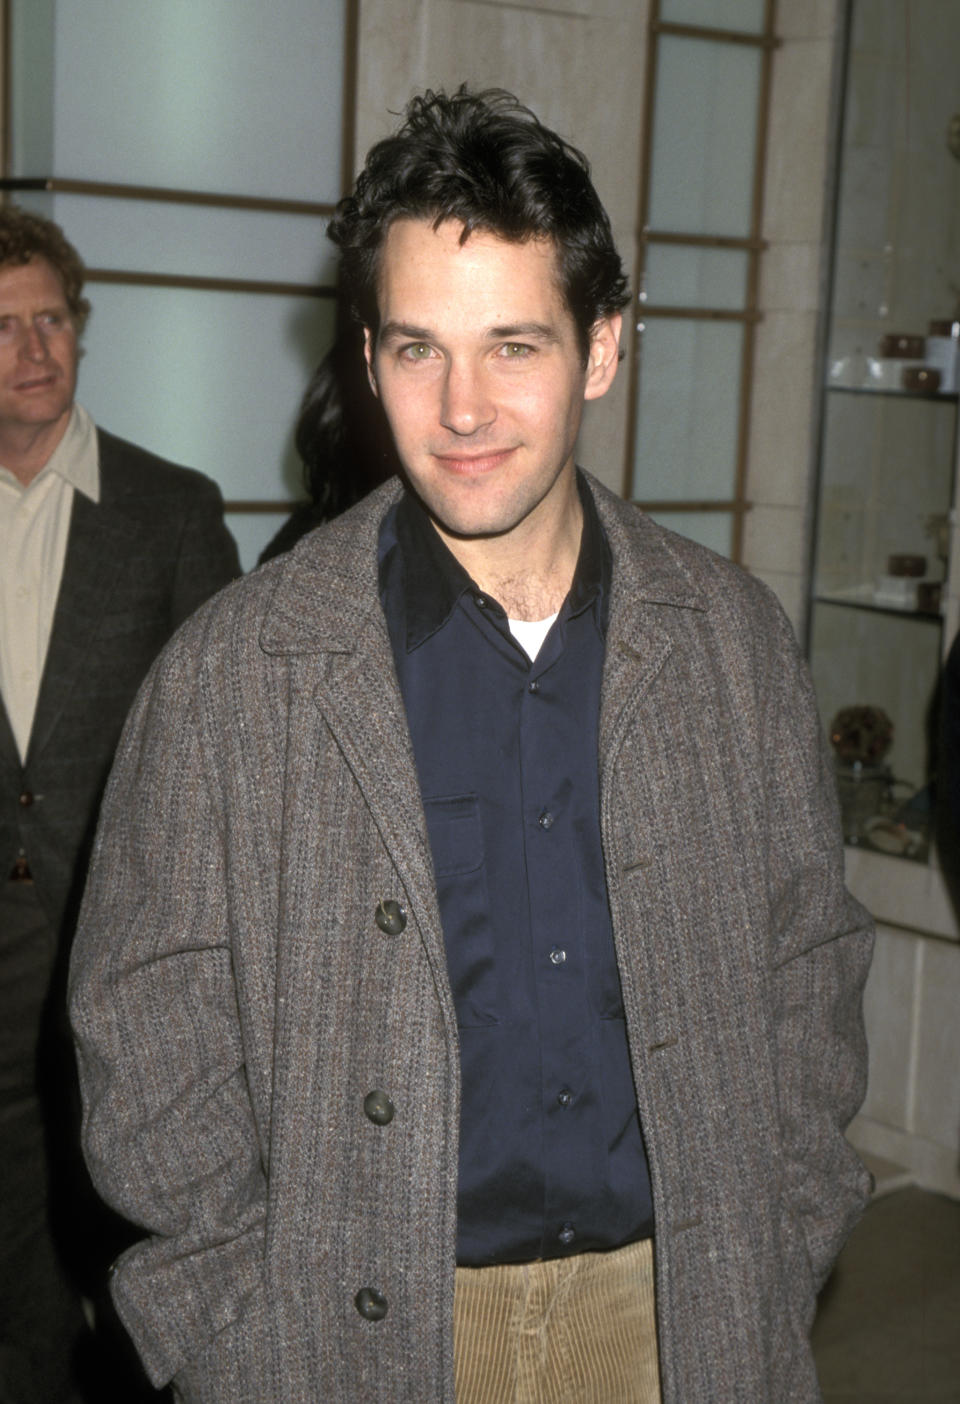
(883, 609)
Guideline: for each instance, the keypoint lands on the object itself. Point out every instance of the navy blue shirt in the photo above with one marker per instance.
(551, 1153)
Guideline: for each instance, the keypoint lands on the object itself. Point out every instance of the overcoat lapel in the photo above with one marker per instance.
(646, 578)
(98, 546)
(357, 694)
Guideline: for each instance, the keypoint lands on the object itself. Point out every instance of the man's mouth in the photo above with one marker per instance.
(36, 382)
(470, 465)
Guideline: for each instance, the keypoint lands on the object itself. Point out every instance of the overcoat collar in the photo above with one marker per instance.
(327, 586)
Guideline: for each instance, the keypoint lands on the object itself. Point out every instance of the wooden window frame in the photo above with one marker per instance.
(753, 245)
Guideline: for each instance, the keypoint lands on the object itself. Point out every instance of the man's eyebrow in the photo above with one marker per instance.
(519, 331)
(514, 331)
(392, 331)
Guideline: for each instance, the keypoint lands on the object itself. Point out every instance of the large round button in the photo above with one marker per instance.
(371, 1304)
(390, 917)
(379, 1108)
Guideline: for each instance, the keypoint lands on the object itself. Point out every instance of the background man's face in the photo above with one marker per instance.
(38, 347)
(478, 366)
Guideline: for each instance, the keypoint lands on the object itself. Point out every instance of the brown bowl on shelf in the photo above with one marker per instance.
(903, 346)
(922, 378)
(906, 563)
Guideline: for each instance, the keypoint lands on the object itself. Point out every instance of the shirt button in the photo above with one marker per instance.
(567, 1234)
(546, 820)
(558, 955)
(565, 1096)
(480, 601)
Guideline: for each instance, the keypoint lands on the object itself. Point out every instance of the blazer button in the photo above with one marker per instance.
(26, 799)
(379, 1108)
(371, 1304)
(390, 917)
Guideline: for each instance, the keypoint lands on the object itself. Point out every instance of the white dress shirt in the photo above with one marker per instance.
(34, 525)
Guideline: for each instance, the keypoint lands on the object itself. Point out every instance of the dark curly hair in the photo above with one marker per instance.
(25, 236)
(486, 161)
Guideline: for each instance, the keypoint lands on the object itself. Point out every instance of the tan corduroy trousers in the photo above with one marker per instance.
(579, 1330)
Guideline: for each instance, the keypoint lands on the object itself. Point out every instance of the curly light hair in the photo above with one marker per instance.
(25, 236)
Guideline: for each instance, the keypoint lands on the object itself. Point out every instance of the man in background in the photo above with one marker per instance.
(104, 550)
(497, 1041)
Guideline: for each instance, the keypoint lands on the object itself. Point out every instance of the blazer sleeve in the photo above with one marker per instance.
(169, 1133)
(821, 946)
(207, 557)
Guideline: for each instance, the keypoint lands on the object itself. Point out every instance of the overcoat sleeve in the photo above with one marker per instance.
(169, 1134)
(821, 946)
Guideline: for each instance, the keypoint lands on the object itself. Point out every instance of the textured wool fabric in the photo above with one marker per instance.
(579, 1330)
(236, 998)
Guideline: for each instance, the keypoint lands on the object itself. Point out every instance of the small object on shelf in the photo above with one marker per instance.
(862, 791)
(943, 354)
(896, 591)
(906, 563)
(903, 345)
(862, 734)
(921, 378)
(887, 372)
(890, 835)
(929, 593)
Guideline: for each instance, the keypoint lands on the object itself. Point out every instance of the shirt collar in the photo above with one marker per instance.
(434, 580)
(75, 460)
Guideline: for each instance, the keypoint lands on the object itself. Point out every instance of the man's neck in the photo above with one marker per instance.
(530, 569)
(26, 449)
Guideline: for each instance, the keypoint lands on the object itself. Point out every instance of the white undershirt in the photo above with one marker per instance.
(530, 633)
(34, 525)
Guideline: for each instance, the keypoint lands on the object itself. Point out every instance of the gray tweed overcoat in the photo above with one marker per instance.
(235, 999)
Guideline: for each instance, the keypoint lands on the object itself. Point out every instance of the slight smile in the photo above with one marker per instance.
(473, 465)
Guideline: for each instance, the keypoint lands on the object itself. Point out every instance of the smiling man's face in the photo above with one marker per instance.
(38, 350)
(479, 368)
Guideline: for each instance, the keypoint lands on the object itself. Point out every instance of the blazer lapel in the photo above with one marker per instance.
(97, 547)
(9, 754)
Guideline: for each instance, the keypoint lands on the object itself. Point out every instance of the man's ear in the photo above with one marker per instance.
(603, 356)
(368, 357)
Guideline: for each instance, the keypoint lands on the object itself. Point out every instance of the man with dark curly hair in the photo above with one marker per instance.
(104, 549)
(498, 1040)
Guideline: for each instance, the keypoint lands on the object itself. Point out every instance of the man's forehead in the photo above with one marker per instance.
(416, 251)
(36, 272)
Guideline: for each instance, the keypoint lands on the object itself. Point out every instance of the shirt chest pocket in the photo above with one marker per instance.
(455, 827)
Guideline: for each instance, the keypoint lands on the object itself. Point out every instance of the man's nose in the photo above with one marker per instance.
(467, 405)
(33, 343)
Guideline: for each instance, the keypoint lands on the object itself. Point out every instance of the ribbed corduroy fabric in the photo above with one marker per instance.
(579, 1330)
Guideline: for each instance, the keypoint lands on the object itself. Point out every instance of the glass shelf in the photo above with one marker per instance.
(895, 392)
(857, 598)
